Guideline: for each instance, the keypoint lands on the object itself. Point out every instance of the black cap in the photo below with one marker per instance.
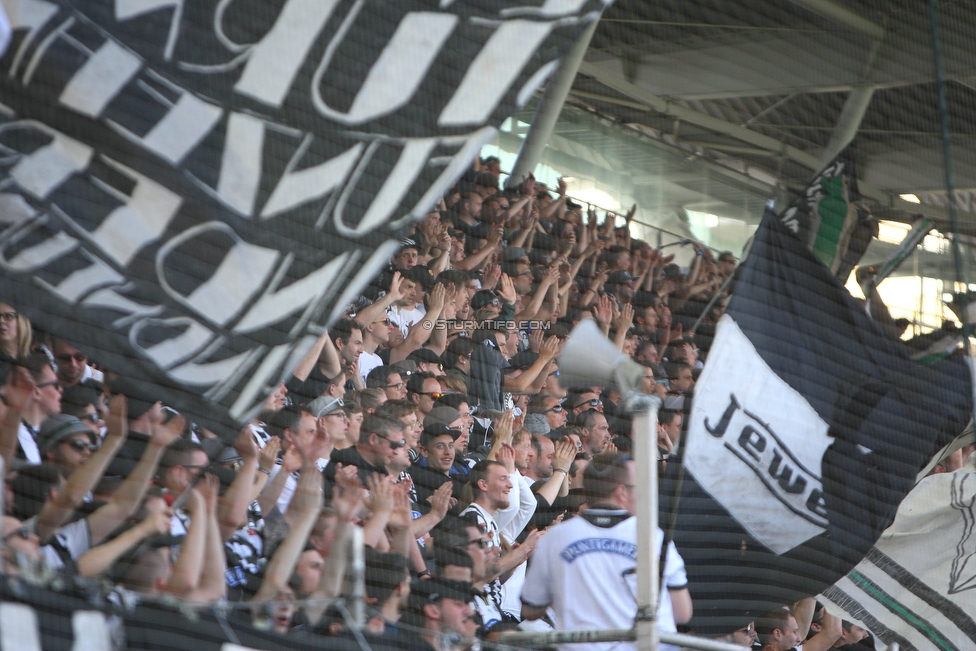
(483, 298)
(433, 430)
(523, 360)
(619, 277)
(435, 589)
(421, 275)
(425, 356)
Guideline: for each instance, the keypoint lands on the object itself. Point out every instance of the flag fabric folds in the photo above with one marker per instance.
(807, 429)
(917, 586)
(830, 218)
(192, 191)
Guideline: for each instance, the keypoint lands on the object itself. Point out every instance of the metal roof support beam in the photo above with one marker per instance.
(853, 112)
(844, 16)
(549, 108)
(848, 123)
(749, 136)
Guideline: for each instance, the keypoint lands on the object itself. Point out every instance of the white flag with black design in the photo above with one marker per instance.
(806, 430)
(917, 586)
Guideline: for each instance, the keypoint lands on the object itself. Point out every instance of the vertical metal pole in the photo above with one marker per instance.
(648, 590)
(358, 571)
(549, 108)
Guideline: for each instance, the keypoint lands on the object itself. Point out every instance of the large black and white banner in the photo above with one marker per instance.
(807, 429)
(190, 191)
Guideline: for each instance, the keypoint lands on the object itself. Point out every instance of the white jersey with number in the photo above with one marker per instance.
(585, 568)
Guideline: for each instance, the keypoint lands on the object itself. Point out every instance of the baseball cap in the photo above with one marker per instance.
(483, 298)
(523, 360)
(433, 430)
(619, 276)
(324, 405)
(220, 452)
(420, 274)
(60, 427)
(443, 415)
(405, 367)
(425, 356)
(407, 243)
(437, 588)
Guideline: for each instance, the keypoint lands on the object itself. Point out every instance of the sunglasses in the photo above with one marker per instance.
(81, 446)
(592, 403)
(435, 395)
(19, 531)
(556, 373)
(52, 383)
(557, 409)
(92, 418)
(750, 629)
(383, 321)
(395, 445)
(78, 357)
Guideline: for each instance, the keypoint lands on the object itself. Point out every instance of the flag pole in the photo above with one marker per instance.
(645, 408)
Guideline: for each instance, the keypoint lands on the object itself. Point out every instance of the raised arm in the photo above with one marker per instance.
(232, 506)
(189, 563)
(305, 506)
(562, 459)
(128, 496)
(375, 311)
(101, 557)
(86, 477)
(213, 582)
(17, 396)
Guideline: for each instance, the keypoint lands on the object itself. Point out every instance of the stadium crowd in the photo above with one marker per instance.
(431, 417)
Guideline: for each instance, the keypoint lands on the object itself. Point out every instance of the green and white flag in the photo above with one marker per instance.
(917, 585)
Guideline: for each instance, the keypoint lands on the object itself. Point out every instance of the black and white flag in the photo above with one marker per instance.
(807, 429)
(191, 191)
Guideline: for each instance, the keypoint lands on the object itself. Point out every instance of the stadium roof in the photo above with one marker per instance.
(764, 83)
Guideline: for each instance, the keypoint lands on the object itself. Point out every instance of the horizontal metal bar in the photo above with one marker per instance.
(527, 639)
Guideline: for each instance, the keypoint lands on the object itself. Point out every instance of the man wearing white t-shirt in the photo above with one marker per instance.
(584, 568)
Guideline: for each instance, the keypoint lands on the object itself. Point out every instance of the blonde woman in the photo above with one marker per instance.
(15, 333)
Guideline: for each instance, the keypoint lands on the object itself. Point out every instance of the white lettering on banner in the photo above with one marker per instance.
(183, 126)
(299, 187)
(240, 163)
(273, 63)
(52, 247)
(142, 218)
(44, 170)
(241, 273)
(80, 283)
(397, 73)
(129, 9)
(90, 631)
(756, 446)
(95, 84)
(32, 14)
(18, 628)
(493, 72)
(412, 160)
(276, 304)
